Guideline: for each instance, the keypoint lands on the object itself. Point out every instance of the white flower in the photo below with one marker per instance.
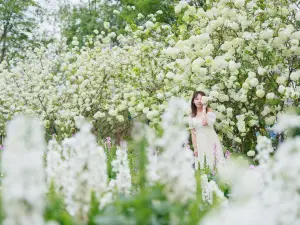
(120, 166)
(254, 82)
(223, 98)
(54, 163)
(295, 76)
(281, 89)
(281, 80)
(297, 17)
(266, 110)
(260, 93)
(246, 85)
(197, 63)
(145, 110)
(238, 140)
(286, 121)
(140, 107)
(75, 43)
(160, 95)
(220, 108)
(264, 149)
(241, 125)
(239, 3)
(149, 24)
(120, 118)
(270, 95)
(181, 5)
(24, 187)
(84, 171)
(251, 153)
(106, 25)
(179, 181)
(204, 100)
(97, 115)
(266, 34)
(170, 75)
(116, 12)
(270, 120)
(206, 191)
(172, 52)
(214, 94)
(113, 112)
(140, 16)
(77, 21)
(261, 70)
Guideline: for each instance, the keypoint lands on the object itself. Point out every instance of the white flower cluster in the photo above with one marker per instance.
(260, 201)
(120, 165)
(78, 168)
(209, 190)
(152, 156)
(174, 166)
(286, 121)
(264, 148)
(55, 163)
(24, 187)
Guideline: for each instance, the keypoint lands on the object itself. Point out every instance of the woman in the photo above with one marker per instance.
(207, 146)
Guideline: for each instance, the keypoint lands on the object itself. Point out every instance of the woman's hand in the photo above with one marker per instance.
(204, 122)
(196, 153)
(204, 106)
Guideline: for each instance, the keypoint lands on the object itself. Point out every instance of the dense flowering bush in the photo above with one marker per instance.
(244, 54)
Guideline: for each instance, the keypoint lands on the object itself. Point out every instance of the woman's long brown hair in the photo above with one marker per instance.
(193, 106)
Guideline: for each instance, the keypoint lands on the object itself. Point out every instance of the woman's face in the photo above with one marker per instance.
(197, 100)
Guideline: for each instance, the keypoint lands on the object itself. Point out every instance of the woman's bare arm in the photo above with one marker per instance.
(193, 133)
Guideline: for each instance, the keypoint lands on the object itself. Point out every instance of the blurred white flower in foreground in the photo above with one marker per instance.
(24, 184)
(268, 193)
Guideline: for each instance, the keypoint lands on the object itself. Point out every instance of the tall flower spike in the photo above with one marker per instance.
(121, 167)
(24, 181)
(54, 163)
(151, 166)
(85, 170)
(174, 166)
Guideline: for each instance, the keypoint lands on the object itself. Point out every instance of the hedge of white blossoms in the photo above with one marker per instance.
(245, 54)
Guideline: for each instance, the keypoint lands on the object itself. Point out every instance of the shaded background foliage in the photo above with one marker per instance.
(83, 20)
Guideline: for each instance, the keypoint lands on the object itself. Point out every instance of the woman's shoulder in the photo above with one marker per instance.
(209, 110)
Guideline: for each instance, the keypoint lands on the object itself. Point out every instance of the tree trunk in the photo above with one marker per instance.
(3, 40)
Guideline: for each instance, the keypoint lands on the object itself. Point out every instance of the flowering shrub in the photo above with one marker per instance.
(244, 54)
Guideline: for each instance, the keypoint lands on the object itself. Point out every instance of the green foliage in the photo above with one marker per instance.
(55, 209)
(81, 21)
(140, 163)
(16, 27)
(94, 208)
(110, 156)
(133, 161)
(133, 154)
(149, 206)
(147, 7)
(1, 209)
